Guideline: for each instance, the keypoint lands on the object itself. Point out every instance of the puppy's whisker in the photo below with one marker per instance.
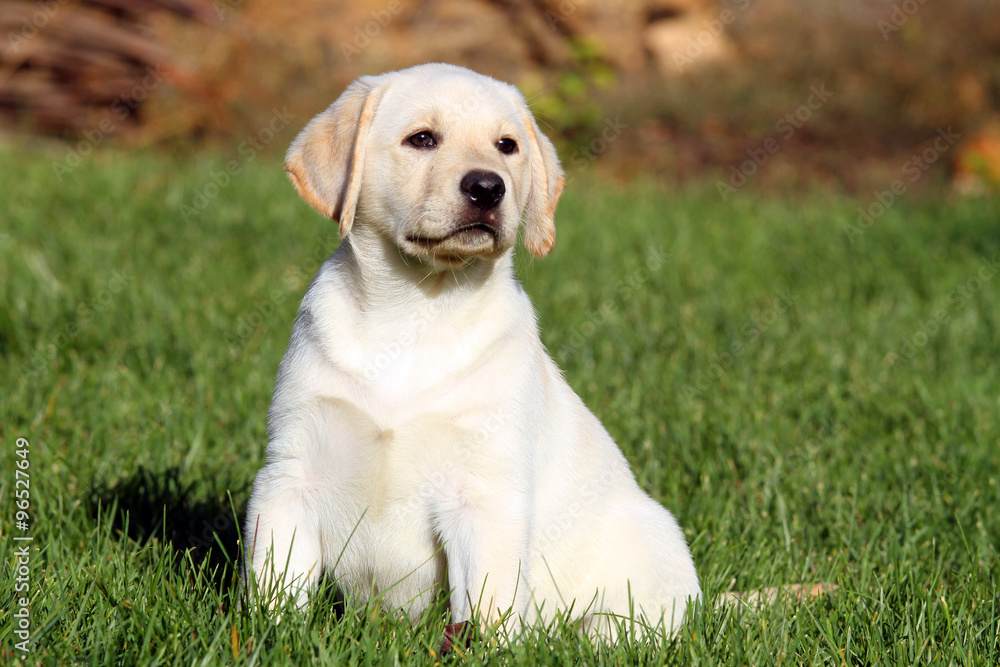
(402, 256)
(426, 276)
(539, 94)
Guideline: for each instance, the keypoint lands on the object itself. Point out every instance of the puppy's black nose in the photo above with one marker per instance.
(484, 189)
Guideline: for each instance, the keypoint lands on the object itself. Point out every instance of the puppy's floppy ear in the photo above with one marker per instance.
(326, 160)
(547, 183)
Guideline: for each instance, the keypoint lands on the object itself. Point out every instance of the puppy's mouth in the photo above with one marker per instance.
(471, 236)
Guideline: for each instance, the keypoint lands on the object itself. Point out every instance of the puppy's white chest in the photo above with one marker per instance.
(381, 536)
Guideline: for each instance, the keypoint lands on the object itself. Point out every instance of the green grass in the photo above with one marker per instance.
(807, 443)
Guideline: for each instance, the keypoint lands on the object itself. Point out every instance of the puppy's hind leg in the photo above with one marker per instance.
(281, 538)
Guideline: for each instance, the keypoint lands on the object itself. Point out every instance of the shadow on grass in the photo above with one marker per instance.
(159, 504)
(149, 505)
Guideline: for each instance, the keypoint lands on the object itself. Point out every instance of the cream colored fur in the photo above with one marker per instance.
(420, 435)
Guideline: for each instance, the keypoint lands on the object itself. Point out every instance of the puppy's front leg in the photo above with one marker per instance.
(281, 537)
(485, 533)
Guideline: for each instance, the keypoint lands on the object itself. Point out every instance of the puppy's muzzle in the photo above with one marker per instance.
(479, 228)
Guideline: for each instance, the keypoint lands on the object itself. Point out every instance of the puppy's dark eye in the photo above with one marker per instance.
(507, 146)
(423, 139)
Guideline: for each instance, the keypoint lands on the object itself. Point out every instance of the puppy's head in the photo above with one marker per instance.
(442, 161)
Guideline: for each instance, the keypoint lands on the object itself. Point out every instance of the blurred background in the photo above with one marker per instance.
(764, 94)
(813, 394)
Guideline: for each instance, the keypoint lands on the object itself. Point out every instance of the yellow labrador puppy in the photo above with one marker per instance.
(420, 435)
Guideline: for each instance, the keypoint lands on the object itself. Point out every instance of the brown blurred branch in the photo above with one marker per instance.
(60, 62)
